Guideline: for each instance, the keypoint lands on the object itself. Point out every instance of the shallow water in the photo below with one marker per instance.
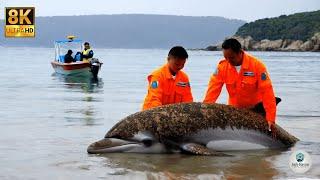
(47, 121)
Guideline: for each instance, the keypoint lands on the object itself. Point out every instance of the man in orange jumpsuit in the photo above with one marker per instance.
(247, 82)
(168, 84)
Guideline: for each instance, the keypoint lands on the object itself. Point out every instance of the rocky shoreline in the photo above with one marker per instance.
(248, 43)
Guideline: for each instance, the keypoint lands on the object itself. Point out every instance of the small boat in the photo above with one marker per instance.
(79, 68)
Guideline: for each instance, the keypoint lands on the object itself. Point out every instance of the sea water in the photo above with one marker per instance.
(47, 121)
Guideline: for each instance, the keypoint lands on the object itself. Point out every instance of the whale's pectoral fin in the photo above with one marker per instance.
(198, 149)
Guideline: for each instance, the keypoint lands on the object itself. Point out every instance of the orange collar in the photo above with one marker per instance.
(167, 72)
(245, 62)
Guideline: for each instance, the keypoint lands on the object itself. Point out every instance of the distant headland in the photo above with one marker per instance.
(296, 32)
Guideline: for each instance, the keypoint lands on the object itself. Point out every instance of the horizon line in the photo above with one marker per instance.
(203, 16)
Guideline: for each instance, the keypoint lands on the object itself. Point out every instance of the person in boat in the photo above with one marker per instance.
(169, 84)
(68, 57)
(87, 53)
(77, 57)
(247, 81)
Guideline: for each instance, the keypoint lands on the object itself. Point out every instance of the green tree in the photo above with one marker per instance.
(299, 26)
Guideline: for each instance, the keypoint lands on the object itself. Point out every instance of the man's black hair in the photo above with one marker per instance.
(178, 52)
(232, 44)
(86, 43)
(69, 51)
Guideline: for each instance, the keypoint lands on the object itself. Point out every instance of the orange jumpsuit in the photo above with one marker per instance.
(251, 86)
(165, 89)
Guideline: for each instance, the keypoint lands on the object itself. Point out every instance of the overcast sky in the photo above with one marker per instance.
(248, 10)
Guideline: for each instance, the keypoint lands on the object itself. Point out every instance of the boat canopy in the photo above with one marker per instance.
(62, 47)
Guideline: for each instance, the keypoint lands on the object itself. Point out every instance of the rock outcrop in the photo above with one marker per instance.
(248, 43)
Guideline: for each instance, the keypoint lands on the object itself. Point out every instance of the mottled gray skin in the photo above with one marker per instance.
(178, 122)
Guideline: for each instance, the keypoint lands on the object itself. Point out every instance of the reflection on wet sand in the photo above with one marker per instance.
(242, 164)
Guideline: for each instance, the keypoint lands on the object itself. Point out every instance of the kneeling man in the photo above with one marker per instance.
(247, 81)
(168, 84)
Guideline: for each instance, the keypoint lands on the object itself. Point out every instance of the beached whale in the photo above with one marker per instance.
(194, 128)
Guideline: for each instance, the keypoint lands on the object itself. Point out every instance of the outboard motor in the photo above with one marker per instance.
(95, 66)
